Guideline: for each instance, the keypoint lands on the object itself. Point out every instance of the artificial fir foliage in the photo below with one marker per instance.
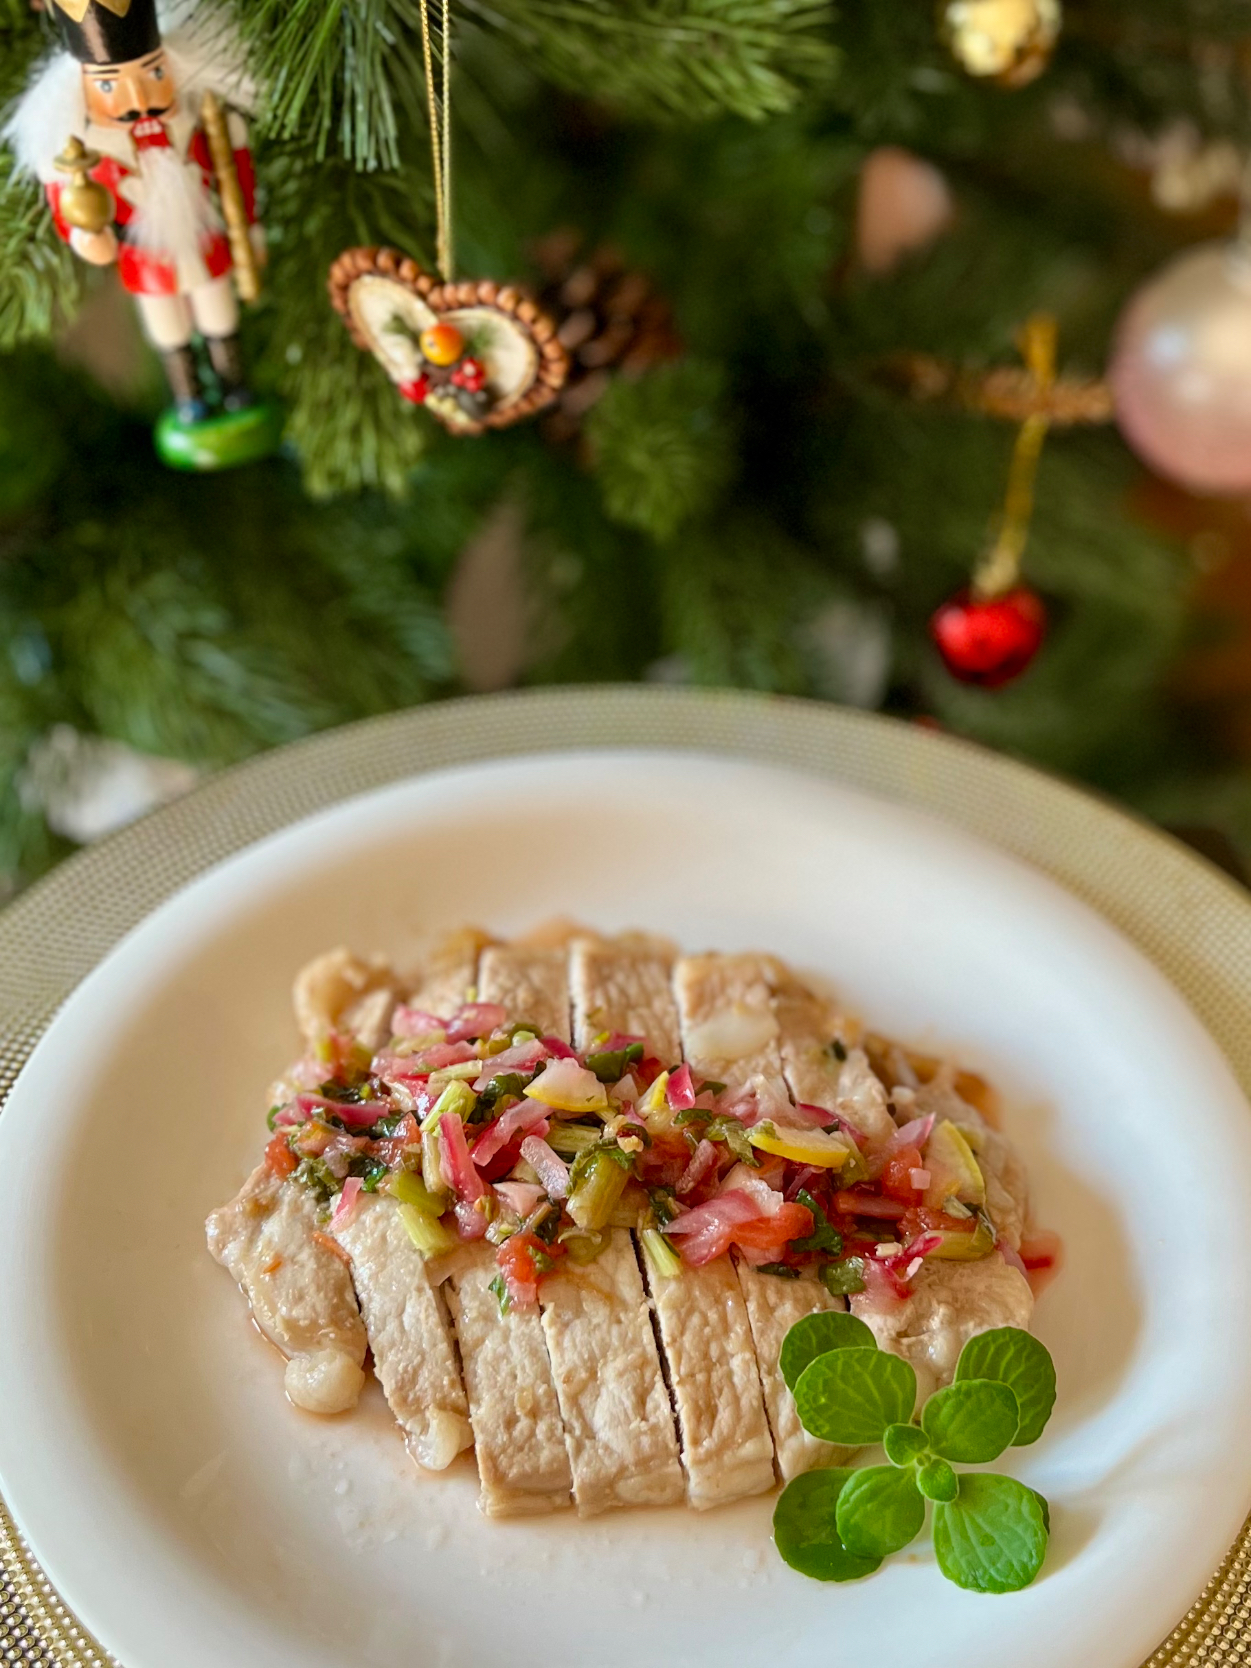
(774, 508)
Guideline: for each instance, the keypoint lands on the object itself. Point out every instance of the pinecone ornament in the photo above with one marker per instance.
(610, 319)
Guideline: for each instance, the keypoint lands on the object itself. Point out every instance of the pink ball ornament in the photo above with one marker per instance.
(1181, 370)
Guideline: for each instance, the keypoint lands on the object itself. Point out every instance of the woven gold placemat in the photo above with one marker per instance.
(1186, 917)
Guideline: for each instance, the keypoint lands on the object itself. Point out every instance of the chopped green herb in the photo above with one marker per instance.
(690, 1115)
(729, 1130)
(784, 1271)
(664, 1203)
(317, 1176)
(387, 1125)
(503, 1083)
(271, 1116)
(712, 1087)
(546, 1226)
(501, 1294)
(348, 1095)
(370, 1171)
(822, 1237)
(614, 1065)
(844, 1278)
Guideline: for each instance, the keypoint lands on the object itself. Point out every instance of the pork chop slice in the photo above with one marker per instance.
(269, 1238)
(618, 1421)
(727, 1451)
(340, 991)
(950, 1303)
(716, 994)
(725, 1007)
(531, 983)
(409, 1332)
(626, 988)
(773, 1307)
(449, 971)
(518, 1434)
(838, 1079)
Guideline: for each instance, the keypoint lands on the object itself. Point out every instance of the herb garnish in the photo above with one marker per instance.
(844, 1278)
(823, 1237)
(609, 1068)
(990, 1532)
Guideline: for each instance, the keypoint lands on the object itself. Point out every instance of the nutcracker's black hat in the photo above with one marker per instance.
(108, 31)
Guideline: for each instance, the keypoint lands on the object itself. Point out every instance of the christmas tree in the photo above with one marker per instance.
(787, 243)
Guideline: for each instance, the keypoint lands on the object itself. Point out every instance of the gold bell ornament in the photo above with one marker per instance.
(1010, 41)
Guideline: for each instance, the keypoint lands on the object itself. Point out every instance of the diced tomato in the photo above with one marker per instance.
(516, 1258)
(896, 1178)
(664, 1162)
(765, 1240)
(390, 1149)
(647, 1070)
(278, 1156)
(921, 1219)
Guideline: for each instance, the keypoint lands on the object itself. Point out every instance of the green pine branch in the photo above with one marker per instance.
(665, 59)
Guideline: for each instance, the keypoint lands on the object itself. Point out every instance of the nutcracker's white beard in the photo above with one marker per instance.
(176, 215)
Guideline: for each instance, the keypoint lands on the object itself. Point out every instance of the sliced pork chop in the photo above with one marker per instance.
(449, 971)
(626, 988)
(340, 991)
(725, 1008)
(518, 1434)
(618, 1422)
(720, 997)
(409, 1333)
(300, 1292)
(727, 1450)
(773, 1307)
(531, 983)
(949, 1303)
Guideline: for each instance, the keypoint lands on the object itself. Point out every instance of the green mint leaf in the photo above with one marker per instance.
(903, 1444)
(937, 1481)
(1017, 1359)
(784, 1271)
(972, 1421)
(879, 1511)
(992, 1538)
(730, 1130)
(843, 1278)
(805, 1528)
(823, 1237)
(816, 1335)
(849, 1396)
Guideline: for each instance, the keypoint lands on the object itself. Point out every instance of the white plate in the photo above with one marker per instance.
(192, 1518)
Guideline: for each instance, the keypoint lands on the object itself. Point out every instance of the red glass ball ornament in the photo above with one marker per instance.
(991, 640)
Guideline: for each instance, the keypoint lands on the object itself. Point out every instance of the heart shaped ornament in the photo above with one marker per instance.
(478, 354)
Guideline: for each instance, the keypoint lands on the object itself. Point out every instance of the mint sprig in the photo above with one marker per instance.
(990, 1532)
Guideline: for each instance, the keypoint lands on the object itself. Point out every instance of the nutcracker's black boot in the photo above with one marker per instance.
(227, 361)
(184, 384)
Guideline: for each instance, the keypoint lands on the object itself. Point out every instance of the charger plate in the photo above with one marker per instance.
(1183, 915)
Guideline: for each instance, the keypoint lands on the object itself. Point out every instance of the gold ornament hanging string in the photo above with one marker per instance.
(1000, 569)
(440, 134)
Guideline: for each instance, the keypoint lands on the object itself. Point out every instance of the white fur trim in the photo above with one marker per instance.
(205, 52)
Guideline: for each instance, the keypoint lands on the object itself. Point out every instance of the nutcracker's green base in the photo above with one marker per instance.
(223, 441)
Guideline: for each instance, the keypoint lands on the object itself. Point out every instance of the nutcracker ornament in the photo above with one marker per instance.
(146, 170)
